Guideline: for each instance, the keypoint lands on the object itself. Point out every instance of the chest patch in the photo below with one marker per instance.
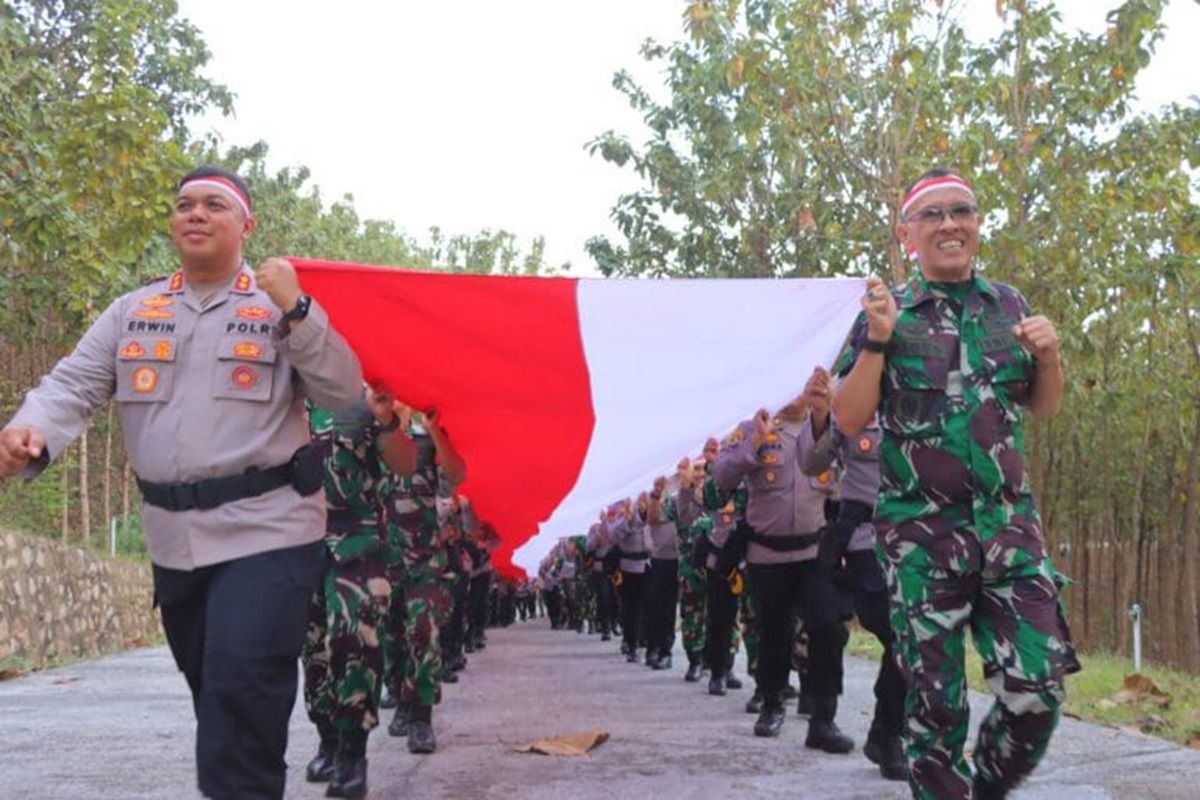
(145, 380)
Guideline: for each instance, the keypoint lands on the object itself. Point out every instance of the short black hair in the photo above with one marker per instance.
(936, 172)
(206, 171)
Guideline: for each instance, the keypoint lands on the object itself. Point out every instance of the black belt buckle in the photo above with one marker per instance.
(182, 496)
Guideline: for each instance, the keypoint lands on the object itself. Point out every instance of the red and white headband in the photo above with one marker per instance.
(224, 185)
(931, 184)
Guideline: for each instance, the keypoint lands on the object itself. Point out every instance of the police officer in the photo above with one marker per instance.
(785, 514)
(726, 595)
(949, 361)
(209, 368)
(632, 540)
(848, 548)
(662, 583)
(342, 657)
(597, 547)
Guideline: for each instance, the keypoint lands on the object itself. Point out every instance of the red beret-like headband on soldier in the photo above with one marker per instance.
(225, 185)
(930, 184)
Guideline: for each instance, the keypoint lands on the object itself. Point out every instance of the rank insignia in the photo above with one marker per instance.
(241, 283)
(770, 477)
(253, 312)
(176, 283)
(153, 313)
(825, 477)
(162, 349)
(864, 444)
(133, 350)
(247, 350)
(244, 377)
(145, 380)
(157, 301)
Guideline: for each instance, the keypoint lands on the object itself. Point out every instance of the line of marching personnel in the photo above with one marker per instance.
(766, 537)
(405, 594)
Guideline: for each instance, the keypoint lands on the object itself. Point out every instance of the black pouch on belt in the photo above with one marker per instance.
(307, 470)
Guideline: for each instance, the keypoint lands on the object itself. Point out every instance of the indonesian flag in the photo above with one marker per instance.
(564, 395)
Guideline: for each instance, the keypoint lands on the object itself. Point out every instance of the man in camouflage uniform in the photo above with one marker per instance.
(420, 593)
(342, 658)
(949, 361)
(694, 526)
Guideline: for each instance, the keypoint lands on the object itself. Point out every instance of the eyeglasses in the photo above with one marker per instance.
(935, 215)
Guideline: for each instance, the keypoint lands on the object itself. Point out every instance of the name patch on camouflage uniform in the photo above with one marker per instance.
(145, 380)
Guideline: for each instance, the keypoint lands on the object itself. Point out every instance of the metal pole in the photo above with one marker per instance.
(112, 536)
(1135, 613)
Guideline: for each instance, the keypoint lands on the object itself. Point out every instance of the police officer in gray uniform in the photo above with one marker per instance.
(598, 546)
(662, 583)
(785, 514)
(209, 369)
(848, 548)
(632, 539)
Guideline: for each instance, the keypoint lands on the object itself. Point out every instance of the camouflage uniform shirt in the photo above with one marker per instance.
(354, 478)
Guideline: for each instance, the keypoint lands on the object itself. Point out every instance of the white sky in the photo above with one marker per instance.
(474, 113)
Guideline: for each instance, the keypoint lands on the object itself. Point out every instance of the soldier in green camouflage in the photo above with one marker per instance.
(421, 598)
(950, 361)
(342, 657)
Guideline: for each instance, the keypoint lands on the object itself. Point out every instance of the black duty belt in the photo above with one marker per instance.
(213, 492)
(636, 555)
(787, 543)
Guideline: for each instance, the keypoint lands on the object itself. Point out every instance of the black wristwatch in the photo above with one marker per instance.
(298, 312)
(872, 346)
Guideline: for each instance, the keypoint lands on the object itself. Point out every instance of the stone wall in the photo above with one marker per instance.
(62, 603)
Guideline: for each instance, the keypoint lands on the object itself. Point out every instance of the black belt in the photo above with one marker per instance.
(854, 513)
(636, 555)
(303, 472)
(786, 543)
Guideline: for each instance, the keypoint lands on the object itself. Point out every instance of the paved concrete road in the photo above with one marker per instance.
(120, 729)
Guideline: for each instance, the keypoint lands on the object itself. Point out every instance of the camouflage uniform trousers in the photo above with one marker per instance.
(693, 602)
(1007, 593)
(421, 604)
(342, 656)
(585, 597)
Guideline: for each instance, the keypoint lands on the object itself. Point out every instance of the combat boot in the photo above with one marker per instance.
(755, 704)
(732, 681)
(664, 661)
(823, 732)
(388, 700)
(652, 659)
(320, 769)
(399, 724)
(421, 738)
(694, 669)
(350, 767)
(887, 752)
(448, 676)
(716, 685)
(770, 719)
(982, 790)
(790, 693)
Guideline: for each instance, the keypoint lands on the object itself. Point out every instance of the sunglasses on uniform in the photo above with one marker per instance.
(936, 215)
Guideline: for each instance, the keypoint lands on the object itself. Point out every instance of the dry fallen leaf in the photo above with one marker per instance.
(575, 744)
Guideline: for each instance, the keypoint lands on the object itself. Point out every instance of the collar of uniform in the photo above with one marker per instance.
(918, 291)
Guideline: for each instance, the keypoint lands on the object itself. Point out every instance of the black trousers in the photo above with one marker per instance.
(477, 609)
(633, 588)
(452, 635)
(235, 630)
(722, 613)
(606, 601)
(661, 603)
(871, 607)
(782, 591)
(554, 607)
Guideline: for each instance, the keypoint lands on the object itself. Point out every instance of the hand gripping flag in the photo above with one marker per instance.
(564, 395)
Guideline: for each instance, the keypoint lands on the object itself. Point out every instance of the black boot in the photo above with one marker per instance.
(388, 700)
(888, 753)
(664, 661)
(804, 706)
(716, 685)
(448, 675)
(770, 719)
(399, 724)
(823, 732)
(790, 693)
(421, 738)
(732, 681)
(320, 769)
(652, 658)
(693, 671)
(755, 704)
(631, 655)
(982, 790)
(350, 767)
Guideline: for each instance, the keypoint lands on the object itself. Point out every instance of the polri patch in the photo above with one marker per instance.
(864, 444)
(145, 380)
